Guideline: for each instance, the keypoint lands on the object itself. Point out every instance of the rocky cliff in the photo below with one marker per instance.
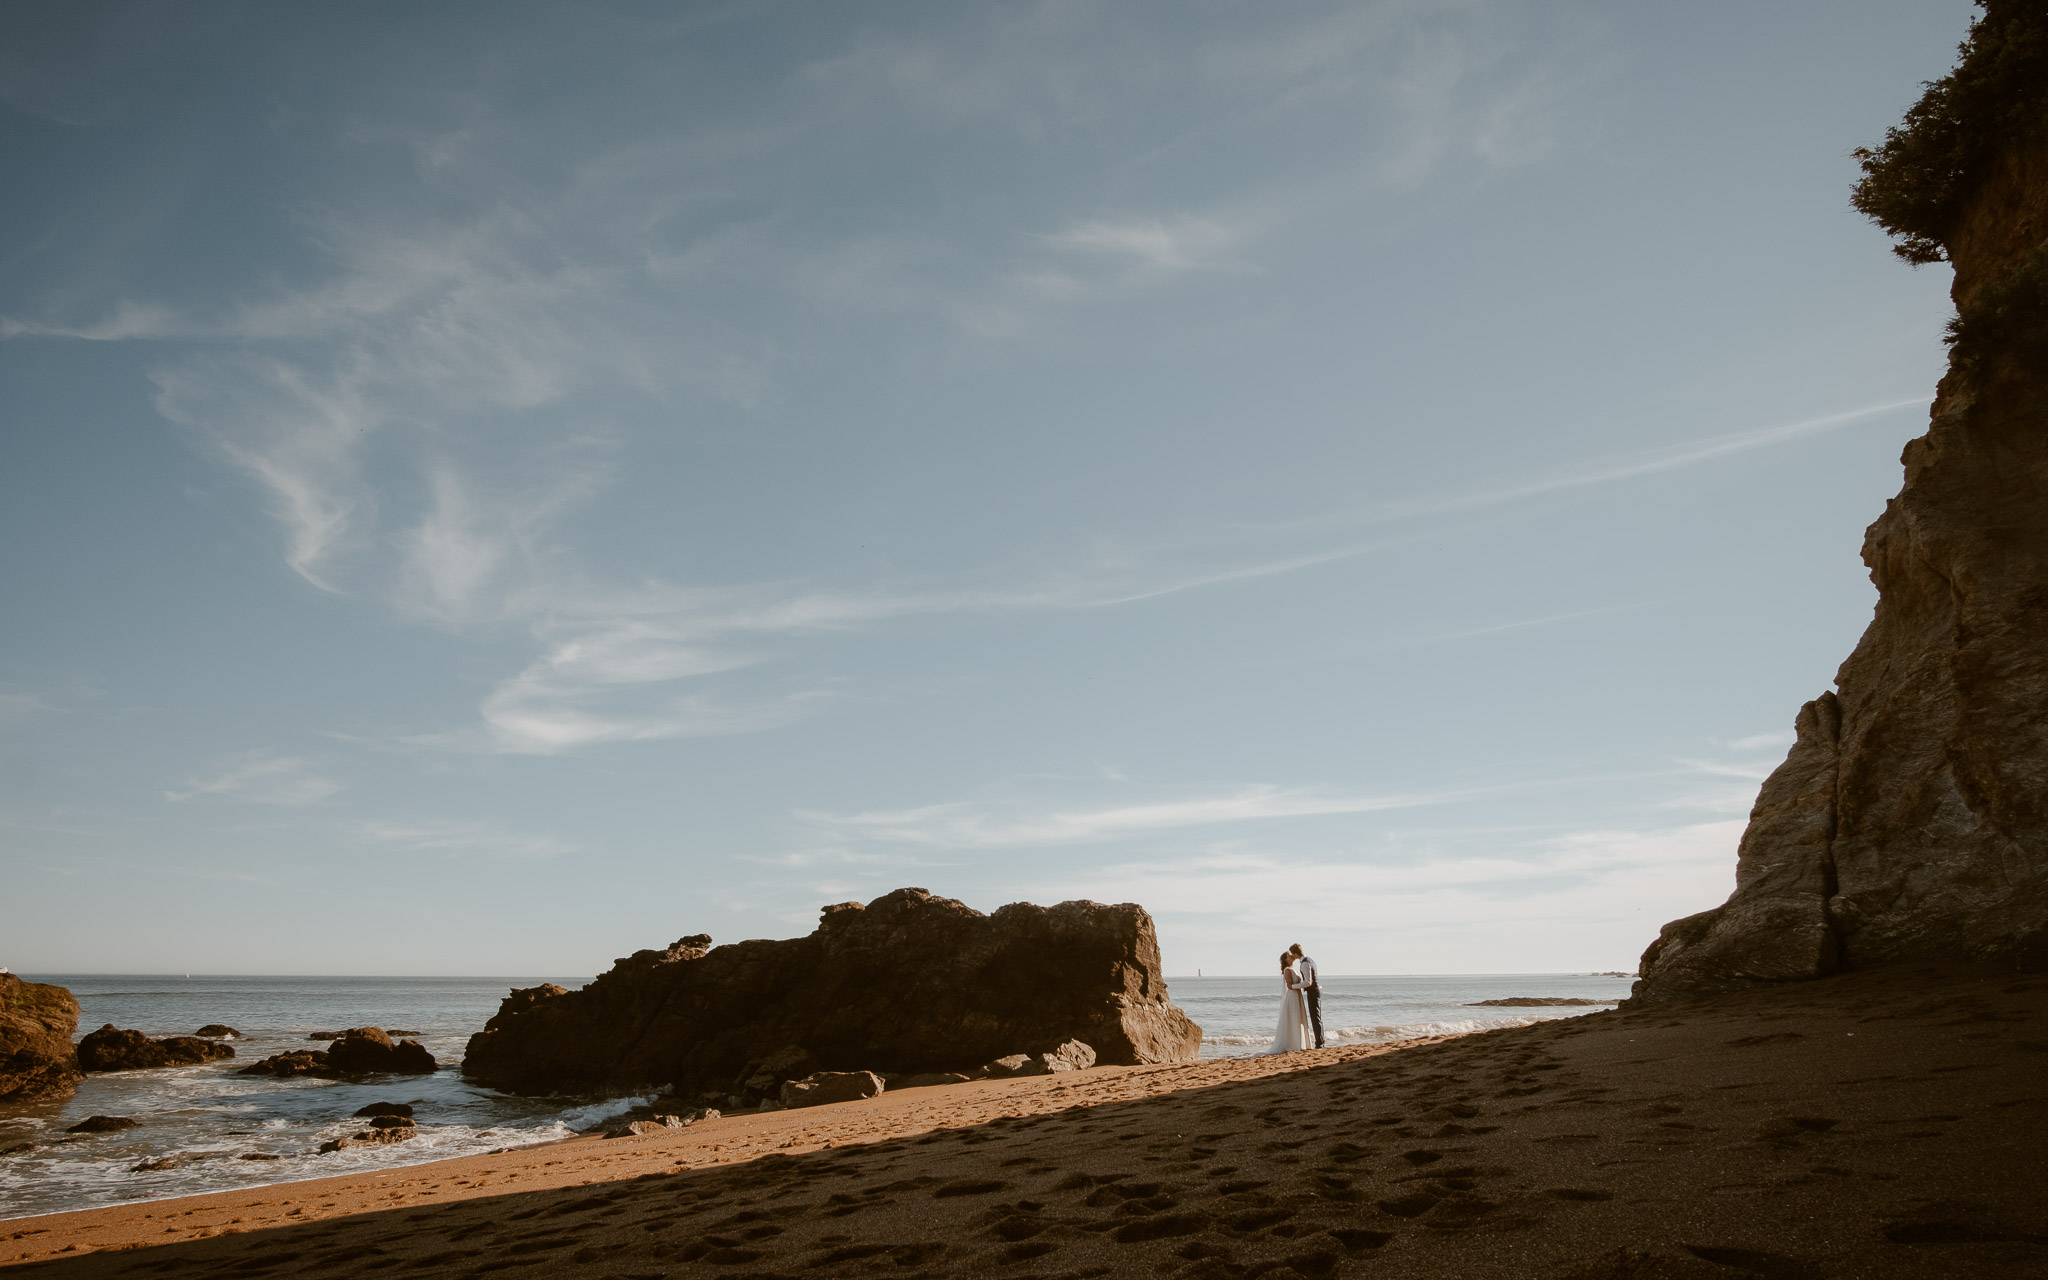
(36, 1022)
(909, 983)
(1910, 819)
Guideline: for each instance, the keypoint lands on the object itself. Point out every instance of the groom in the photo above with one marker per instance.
(1312, 990)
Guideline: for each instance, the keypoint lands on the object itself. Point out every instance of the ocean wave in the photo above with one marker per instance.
(1387, 1034)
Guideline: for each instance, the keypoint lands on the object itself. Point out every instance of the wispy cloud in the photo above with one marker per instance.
(423, 415)
(1764, 741)
(472, 839)
(1614, 468)
(1525, 623)
(262, 777)
(1178, 245)
(16, 705)
(966, 825)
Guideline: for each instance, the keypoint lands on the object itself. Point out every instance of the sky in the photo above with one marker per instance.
(485, 488)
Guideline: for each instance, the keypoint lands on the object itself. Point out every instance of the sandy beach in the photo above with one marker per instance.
(1887, 1123)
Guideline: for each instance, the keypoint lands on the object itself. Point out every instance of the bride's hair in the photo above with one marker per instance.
(1284, 958)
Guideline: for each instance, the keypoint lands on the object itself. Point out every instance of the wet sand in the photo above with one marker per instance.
(1882, 1124)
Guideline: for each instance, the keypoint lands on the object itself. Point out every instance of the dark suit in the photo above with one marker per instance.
(1314, 992)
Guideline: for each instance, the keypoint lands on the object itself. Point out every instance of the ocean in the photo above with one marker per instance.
(220, 1130)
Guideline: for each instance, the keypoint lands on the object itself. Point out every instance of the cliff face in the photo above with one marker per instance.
(909, 983)
(36, 1022)
(1910, 819)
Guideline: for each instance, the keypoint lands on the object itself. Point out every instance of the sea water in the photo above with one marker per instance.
(1238, 1015)
(225, 1130)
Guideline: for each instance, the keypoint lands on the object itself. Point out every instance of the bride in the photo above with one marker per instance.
(1292, 1034)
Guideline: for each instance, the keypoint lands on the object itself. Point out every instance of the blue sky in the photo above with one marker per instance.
(486, 488)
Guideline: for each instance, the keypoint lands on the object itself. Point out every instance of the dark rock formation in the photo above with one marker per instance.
(113, 1049)
(365, 1050)
(393, 1122)
(102, 1124)
(1910, 820)
(384, 1109)
(359, 1051)
(910, 983)
(218, 1031)
(299, 1062)
(821, 1087)
(36, 1022)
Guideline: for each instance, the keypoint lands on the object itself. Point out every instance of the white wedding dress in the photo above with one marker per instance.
(1292, 1034)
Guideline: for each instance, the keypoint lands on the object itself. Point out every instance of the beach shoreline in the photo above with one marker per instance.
(1883, 1123)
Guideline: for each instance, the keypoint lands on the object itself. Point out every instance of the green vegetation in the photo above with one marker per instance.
(1914, 185)
(2010, 316)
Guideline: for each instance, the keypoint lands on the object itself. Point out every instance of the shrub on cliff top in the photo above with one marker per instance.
(1914, 185)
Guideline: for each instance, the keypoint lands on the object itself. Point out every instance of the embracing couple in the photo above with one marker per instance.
(1301, 1004)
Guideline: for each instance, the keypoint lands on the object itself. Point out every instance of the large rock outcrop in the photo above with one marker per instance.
(36, 1022)
(909, 983)
(113, 1049)
(1910, 819)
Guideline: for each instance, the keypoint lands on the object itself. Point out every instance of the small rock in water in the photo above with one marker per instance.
(1532, 1002)
(385, 1109)
(392, 1122)
(174, 1162)
(325, 1035)
(362, 1050)
(101, 1124)
(258, 1155)
(394, 1031)
(367, 1138)
(218, 1031)
(299, 1062)
(18, 1149)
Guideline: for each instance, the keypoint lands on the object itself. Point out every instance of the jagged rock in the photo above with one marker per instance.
(1071, 1056)
(927, 1079)
(113, 1049)
(366, 1050)
(218, 1031)
(392, 1122)
(830, 1086)
(36, 1056)
(102, 1124)
(642, 1120)
(1910, 819)
(384, 1109)
(911, 983)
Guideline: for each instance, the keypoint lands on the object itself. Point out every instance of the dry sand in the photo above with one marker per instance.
(1882, 1124)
